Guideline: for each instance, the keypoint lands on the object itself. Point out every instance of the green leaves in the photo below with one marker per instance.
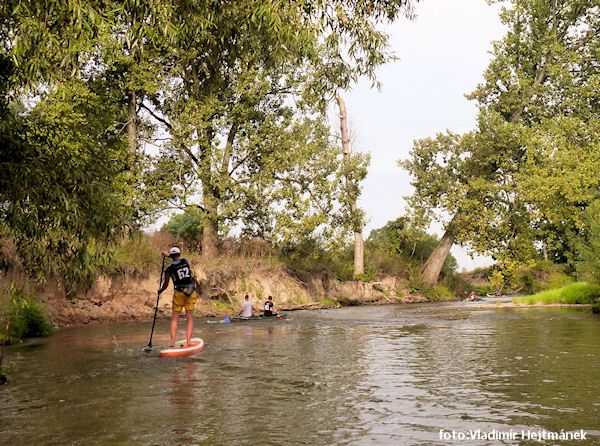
(188, 225)
(524, 177)
(62, 182)
(237, 89)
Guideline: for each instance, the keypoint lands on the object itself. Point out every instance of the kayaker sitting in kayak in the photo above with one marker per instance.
(269, 307)
(184, 295)
(247, 308)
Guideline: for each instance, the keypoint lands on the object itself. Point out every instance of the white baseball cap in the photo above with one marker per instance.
(174, 250)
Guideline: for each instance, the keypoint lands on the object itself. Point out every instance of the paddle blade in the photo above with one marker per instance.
(226, 320)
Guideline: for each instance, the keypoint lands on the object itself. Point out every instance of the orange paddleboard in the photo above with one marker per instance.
(182, 349)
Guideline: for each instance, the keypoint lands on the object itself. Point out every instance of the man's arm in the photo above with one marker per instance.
(165, 284)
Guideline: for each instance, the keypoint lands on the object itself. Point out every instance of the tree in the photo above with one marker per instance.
(64, 135)
(239, 103)
(587, 245)
(188, 225)
(61, 182)
(231, 63)
(485, 179)
(400, 238)
(355, 214)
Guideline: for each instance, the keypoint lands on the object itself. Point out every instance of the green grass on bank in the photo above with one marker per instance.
(576, 293)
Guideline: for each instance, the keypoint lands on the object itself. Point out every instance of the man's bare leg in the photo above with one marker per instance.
(189, 327)
(174, 324)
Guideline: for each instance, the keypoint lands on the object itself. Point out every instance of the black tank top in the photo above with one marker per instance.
(180, 273)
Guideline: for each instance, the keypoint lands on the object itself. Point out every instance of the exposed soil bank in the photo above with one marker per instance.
(222, 286)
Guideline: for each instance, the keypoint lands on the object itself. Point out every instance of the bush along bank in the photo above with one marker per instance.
(576, 293)
(23, 316)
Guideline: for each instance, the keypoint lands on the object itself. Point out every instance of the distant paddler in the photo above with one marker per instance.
(270, 307)
(248, 309)
(184, 295)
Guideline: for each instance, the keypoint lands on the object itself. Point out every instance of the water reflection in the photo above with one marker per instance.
(385, 375)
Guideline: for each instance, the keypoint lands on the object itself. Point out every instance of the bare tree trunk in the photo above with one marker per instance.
(132, 141)
(359, 244)
(210, 233)
(132, 131)
(359, 253)
(432, 268)
(545, 249)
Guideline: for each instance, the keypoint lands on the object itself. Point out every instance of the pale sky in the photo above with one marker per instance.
(443, 53)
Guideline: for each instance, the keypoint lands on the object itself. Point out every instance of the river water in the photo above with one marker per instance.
(360, 375)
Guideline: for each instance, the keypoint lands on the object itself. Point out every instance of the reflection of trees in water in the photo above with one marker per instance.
(503, 368)
(280, 382)
(547, 358)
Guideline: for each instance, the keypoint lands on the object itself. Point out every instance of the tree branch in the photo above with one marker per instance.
(155, 116)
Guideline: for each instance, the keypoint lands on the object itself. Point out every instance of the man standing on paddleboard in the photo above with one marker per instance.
(184, 295)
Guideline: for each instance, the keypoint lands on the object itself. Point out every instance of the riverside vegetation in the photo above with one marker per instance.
(113, 113)
(247, 266)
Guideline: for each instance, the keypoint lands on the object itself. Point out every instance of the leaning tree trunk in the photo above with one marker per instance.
(359, 244)
(432, 268)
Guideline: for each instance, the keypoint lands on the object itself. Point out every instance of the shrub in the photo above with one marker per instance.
(496, 280)
(527, 282)
(439, 293)
(576, 293)
(343, 300)
(223, 305)
(134, 256)
(28, 318)
(367, 276)
(482, 290)
(558, 280)
(329, 303)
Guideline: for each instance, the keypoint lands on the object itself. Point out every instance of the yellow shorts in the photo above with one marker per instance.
(180, 300)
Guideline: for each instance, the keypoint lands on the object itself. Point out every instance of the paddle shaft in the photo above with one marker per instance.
(162, 270)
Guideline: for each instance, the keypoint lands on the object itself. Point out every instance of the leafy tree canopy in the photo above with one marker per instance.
(520, 182)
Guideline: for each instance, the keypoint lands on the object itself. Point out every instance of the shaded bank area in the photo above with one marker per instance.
(222, 285)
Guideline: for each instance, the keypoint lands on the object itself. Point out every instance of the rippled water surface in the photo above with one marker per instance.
(360, 375)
